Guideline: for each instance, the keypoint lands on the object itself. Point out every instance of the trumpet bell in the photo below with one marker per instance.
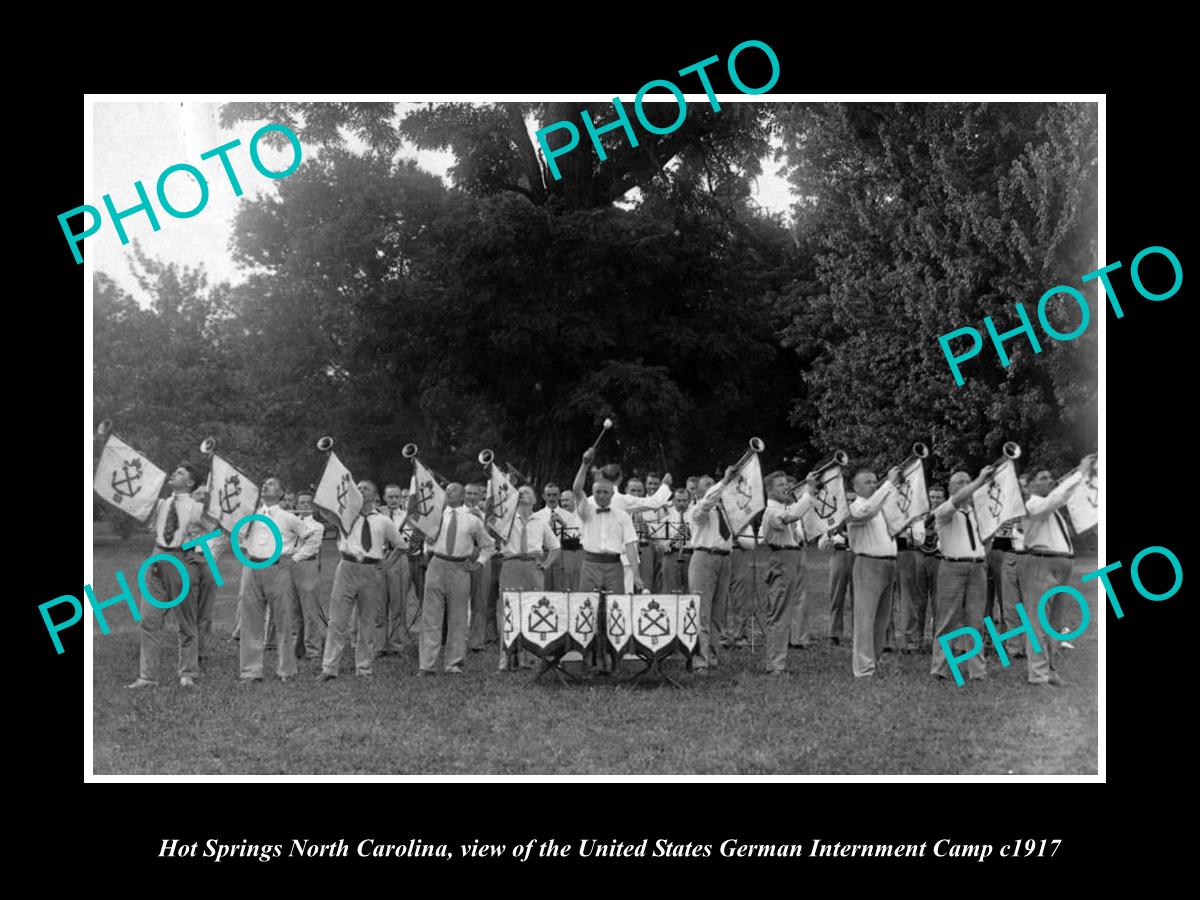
(325, 443)
(842, 457)
(1012, 450)
(757, 445)
(486, 457)
(208, 445)
(409, 451)
(104, 428)
(920, 451)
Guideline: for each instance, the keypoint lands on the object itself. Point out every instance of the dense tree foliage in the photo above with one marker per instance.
(513, 311)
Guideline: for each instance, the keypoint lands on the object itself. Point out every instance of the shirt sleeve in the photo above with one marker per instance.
(944, 513)
(549, 539)
(1040, 506)
(628, 532)
(392, 535)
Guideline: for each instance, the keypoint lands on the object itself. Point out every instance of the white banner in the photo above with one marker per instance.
(655, 620)
(909, 502)
(501, 503)
(338, 494)
(127, 480)
(584, 612)
(998, 501)
(618, 620)
(1084, 504)
(231, 494)
(510, 630)
(829, 509)
(426, 515)
(743, 497)
(544, 616)
(688, 621)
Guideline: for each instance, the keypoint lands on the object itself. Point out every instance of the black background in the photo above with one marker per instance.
(1148, 463)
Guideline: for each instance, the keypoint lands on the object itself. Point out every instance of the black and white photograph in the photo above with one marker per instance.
(714, 433)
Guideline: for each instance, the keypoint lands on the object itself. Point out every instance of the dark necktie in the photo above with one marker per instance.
(365, 540)
(524, 537)
(452, 532)
(1063, 530)
(603, 509)
(172, 524)
(970, 531)
(722, 524)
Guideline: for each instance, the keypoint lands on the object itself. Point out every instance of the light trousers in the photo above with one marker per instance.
(357, 587)
(313, 616)
(747, 590)
(1035, 576)
(608, 577)
(785, 576)
(447, 597)
(907, 634)
(873, 579)
(841, 589)
(262, 588)
(391, 618)
(164, 583)
(708, 576)
(962, 588)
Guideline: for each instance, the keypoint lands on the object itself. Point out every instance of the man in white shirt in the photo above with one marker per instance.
(529, 553)
(390, 621)
(676, 548)
(708, 574)
(874, 567)
(269, 585)
(636, 492)
(611, 474)
(462, 545)
(785, 568)
(564, 574)
(607, 532)
(174, 517)
(1046, 564)
(306, 578)
(358, 584)
(961, 580)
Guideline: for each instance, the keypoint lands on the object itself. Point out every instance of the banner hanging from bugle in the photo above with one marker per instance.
(425, 514)
(998, 501)
(910, 500)
(127, 480)
(231, 496)
(743, 497)
(337, 493)
(501, 502)
(829, 509)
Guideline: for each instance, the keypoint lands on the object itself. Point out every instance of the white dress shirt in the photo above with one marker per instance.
(779, 533)
(190, 513)
(398, 516)
(570, 521)
(705, 519)
(260, 542)
(604, 532)
(671, 522)
(1044, 528)
(469, 534)
(383, 536)
(870, 537)
(310, 543)
(539, 536)
(631, 504)
(958, 531)
(748, 537)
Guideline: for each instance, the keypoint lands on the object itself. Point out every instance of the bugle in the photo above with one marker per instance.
(919, 452)
(208, 446)
(839, 458)
(756, 446)
(1089, 474)
(409, 451)
(486, 457)
(104, 428)
(325, 443)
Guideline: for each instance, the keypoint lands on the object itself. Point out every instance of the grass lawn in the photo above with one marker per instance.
(820, 719)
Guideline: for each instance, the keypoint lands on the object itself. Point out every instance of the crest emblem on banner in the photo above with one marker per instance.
(689, 622)
(502, 503)
(583, 609)
(999, 501)
(744, 497)
(619, 609)
(543, 619)
(1083, 505)
(233, 495)
(337, 493)
(655, 619)
(127, 480)
(509, 630)
(426, 517)
(910, 500)
(829, 507)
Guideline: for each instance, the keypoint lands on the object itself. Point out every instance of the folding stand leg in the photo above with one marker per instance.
(551, 665)
(655, 666)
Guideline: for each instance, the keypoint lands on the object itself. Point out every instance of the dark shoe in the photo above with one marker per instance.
(325, 676)
(246, 681)
(426, 673)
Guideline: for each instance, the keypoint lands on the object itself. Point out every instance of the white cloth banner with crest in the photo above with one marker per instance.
(545, 618)
(910, 500)
(231, 494)
(584, 609)
(501, 503)
(426, 515)
(337, 493)
(743, 497)
(998, 501)
(829, 509)
(618, 620)
(127, 480)
(1084, 504)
